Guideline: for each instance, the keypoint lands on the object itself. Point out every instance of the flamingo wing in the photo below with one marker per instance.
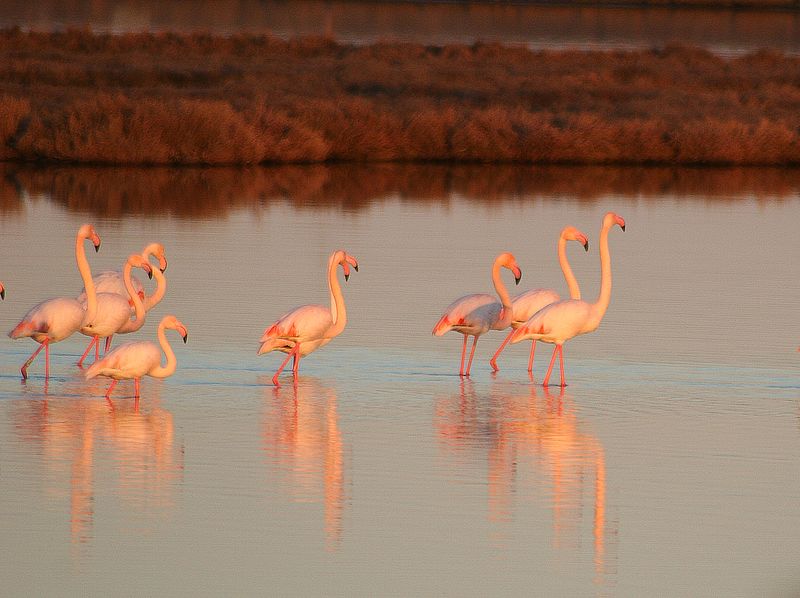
(55, 319)
(111, 281)
(471, 314)
(304, 323)
(557, 322)
(528, 303)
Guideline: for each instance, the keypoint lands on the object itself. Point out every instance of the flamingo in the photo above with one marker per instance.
(140, 358)
(477, 314)
(309, 327)
(56, 319)
(528, 303)
(563, 320)
(111, 281)
(113, 311)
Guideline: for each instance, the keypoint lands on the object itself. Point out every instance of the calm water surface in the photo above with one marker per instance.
(668, 466)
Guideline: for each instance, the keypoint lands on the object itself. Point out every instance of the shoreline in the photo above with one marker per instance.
(197, 99)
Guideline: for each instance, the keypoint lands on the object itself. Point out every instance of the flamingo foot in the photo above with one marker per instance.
(493, 360)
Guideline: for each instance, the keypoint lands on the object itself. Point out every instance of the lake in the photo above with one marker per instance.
(727, 32)
(667, 466)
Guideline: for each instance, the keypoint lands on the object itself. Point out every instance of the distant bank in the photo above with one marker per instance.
(204, 99)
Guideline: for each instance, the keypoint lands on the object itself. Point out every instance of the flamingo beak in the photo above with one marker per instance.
(149, 271)
(2, 293)
(621, 222)
(517, 274)
(184, 333)
(352, 261)
(162, 264)
(185, 338)
(346, 268)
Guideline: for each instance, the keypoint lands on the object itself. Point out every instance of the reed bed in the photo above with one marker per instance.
(170, 99)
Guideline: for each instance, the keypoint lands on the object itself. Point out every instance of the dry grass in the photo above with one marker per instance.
(201, 99)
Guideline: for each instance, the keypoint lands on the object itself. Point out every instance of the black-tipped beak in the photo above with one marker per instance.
(97, 248)
(150, 274)
(346, 277)
(3, 294)
(164, 269)
(586, 246)
(517, 279)
(355, 268)
(185, 338)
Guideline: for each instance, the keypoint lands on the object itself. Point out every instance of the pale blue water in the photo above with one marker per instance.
(667, 467)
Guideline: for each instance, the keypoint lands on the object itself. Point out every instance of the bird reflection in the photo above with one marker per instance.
(521, 432)
(81, 439)
(303, 440)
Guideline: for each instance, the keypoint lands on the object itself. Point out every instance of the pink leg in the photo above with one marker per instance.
(296, 365)
(291, 354)
(96, 348)
(530, 359)
(471, 353)
(46, 360)
(24, 369)
(111, 387)
(136, 387)
(463, 354)
(89, 348)
(493, 360)
(108, 343)
(561, 363)
(550, 369)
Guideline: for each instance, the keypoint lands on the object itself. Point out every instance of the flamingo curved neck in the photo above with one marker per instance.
(132, 325)
(161, 287)
(572, 283)
(338, 310)
(601, 305)
(172, 363)
(499, 287)
(88, 283)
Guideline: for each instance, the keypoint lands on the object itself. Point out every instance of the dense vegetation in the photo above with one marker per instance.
(201, 99)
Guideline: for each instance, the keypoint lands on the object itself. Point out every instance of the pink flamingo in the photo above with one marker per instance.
(474, 315)
(309, 327)
(141, 358)
(111, 281)
(528, 303)
(113, 311)
(563, 320)
(56, 319)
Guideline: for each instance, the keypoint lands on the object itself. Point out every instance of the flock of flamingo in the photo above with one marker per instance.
(114, 302)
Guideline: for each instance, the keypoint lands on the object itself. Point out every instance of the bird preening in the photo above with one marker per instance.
(116, 302)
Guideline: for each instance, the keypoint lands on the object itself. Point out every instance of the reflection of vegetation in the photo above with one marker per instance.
(212, 192)
(201, 99)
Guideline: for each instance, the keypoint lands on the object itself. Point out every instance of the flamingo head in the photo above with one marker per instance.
(87, 232)
(137, 261)
(570, 233)
(507, 260)
(174, 323)
(157, 251)
(610, 219)
(342, 258)
(2, 291)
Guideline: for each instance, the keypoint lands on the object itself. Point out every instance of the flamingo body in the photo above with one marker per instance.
(113, 311)
(558, 322)
(52, 320)
(526, 304)
(472, 315)
(111, 281)
(305, 325)
(130, 360)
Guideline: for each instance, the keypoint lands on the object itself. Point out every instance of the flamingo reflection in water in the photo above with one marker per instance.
(303, 441)
(521, 432)
(82, 441)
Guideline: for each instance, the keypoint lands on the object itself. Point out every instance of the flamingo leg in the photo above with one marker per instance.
(471, 353)
(111, 387)
(136, 388)
(463, 353)
(108, 343)
(88, 348)
(46, 360)
(561, 363)
(296, 364)
(493, 360)
(550, 369)
(291, 354)
(96, 348)
(24, 369)
(530, 359)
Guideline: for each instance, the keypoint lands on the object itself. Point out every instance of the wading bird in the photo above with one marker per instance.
(309, 327)
(474, 315)
(113, 310)
(528, 303)
(563, 320)
(140, 358)
(56, 319)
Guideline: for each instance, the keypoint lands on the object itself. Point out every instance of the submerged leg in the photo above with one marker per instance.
(493, 360)
(24, 369)
(291, 354)
(46, 359)
(296, 362)
(463, 353)
(111, 387)
(471, 353)
(88, 348)
(561, 363)
(530, 359)
(550, 369)
(136, 388)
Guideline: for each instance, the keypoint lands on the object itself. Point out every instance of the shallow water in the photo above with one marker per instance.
(727, 32)
(668, 465)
